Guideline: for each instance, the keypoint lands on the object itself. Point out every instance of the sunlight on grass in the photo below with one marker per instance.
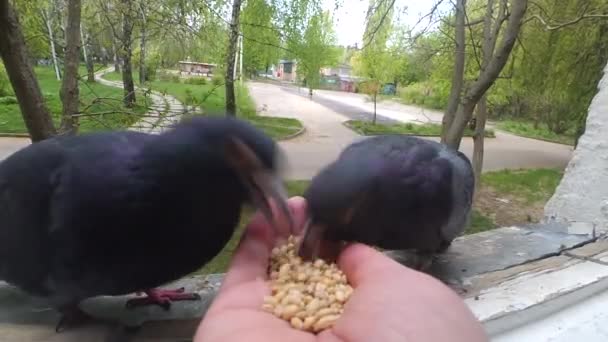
(428, 129)
(526, 129)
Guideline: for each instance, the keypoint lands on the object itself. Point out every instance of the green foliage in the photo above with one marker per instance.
(261, 48)
(11, 120)
(316, 50)
(5, 85)
(196, 80)
(549, 80)
(8, 100)
(375, 62)
(429, 129)
(534, 185)
(541, 131)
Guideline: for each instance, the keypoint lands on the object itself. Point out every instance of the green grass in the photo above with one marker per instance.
(526, 129)
(428, 129)
(94, 98)
(211, 99)
(534, 185)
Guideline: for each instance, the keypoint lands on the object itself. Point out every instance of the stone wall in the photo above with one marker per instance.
(581, 199)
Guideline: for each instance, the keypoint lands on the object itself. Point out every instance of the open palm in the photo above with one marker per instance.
(390, 302)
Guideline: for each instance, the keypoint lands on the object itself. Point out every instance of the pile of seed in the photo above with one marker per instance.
(309, 295)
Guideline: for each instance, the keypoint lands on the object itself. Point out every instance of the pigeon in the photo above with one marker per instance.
(395, 192)
(117, 212)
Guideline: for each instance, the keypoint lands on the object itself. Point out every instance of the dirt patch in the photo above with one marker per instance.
(507, 210)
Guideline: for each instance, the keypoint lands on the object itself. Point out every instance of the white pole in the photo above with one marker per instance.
(241, 60)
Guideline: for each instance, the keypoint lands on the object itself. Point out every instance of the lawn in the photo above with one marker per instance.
(525, 190)
(94, 98)
(428, 129)
(526, 129)
(210, 97)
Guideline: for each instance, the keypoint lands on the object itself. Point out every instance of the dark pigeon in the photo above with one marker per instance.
(119, 212)
(395, 192)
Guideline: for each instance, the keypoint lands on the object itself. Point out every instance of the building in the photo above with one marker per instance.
(342, 70)
(196, 68)
(287, 70)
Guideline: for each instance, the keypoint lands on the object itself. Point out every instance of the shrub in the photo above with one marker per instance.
(217, 80)
(196, 81)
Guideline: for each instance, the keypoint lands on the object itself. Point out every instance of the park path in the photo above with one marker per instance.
(164, 111)
(326, 136)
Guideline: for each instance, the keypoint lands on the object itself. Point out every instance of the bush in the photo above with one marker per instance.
(168, 77)
(426, 94)
(217, 80)
(196, 81)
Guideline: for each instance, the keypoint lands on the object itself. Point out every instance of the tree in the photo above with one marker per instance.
(455, 119)
(69, 88)
(127, 53)
(262, 38)
(316, 49)
(375, 62)
(13, 52)
(231, 57)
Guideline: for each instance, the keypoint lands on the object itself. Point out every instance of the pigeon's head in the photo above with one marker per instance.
(252, 156)
(337, 198)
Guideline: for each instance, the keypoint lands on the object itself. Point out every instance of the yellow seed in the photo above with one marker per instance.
(326, 311)
(340, 296)
(268, 307)
(297, 323)
(289, 311)
(308, 322)
(325, 322)
(313, 305)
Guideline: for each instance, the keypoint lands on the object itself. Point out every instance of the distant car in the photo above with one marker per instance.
(389, 89)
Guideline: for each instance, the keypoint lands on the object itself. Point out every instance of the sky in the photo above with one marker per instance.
(349, 19)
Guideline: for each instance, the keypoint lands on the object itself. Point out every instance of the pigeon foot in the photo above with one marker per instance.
(163, 298)
(72, 316)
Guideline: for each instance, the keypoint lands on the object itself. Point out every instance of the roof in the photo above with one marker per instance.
(196, 63)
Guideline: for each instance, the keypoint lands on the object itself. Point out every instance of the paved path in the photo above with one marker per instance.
(164, 111)
(326, 136)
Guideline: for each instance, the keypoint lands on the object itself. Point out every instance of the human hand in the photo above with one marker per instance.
(390, 301)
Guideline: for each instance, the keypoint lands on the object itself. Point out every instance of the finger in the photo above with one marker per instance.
(361, 263)
(250, 261)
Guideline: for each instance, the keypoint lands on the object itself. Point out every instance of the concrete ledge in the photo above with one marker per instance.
(509, 277)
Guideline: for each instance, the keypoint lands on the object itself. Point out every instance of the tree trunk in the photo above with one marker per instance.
(47, 20)
(87, 58)
(14, 54)
(142, 46)
(310, 93)
(478, 139)
(127, 53)
(486, 78)
(458, 75)
(69, 88)
(375, 101)
(230, 59)
(116, 61)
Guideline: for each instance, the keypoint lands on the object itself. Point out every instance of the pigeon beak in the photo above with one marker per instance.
(310, 245)
(268, 189)
(265, 186)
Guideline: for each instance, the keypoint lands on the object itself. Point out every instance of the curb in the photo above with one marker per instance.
(346, 124)
(14, 135)
(294, 135)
